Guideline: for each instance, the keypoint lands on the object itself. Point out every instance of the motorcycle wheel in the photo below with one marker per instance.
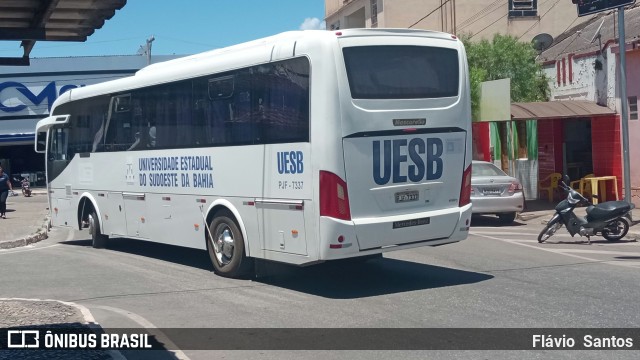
(26, 192)
(616, 229)
(548, 231)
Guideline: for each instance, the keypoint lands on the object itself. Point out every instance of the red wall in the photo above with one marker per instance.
(481, 141)
(607, 150)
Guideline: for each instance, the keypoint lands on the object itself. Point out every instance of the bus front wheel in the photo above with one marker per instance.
(98, 239)
(225, 246)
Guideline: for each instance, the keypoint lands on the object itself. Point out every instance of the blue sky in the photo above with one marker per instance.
(184, 27)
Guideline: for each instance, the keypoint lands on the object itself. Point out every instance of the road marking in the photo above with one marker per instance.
(584, 251)
(149, 326)
(22, 249)
(560, 252)
(503, 233)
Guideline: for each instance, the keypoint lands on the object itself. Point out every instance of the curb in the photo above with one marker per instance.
(528, 217)
(89, 320)
(40, 235)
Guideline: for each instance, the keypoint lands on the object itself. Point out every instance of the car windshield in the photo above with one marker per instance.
(486, 170)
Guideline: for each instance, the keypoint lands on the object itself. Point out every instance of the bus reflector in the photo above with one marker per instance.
(335, 246)
(334, 197)
(465, 188)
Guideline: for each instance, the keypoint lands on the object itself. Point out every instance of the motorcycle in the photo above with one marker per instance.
(26, 189)
(610, 219)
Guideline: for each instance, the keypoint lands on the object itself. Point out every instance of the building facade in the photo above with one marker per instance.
(27, 93)
(523, 19)
(583, 64)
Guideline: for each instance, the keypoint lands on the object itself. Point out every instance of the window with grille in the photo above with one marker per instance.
(523, 8)
(633, 108)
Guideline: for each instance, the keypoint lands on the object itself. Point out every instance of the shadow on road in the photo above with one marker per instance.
(339, 279)
(489, 220)
(357, 279)
(583, 241)
(175, 254)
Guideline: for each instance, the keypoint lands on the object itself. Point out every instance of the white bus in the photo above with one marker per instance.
(300, 148)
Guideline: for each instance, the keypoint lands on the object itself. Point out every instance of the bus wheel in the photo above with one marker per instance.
(98, 240)
(226, 247)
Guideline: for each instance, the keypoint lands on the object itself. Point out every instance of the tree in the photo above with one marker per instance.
(505, 57)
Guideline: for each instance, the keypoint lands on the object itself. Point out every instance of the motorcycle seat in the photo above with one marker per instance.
(607, 209)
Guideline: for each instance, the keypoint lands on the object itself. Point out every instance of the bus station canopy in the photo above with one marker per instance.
(558, 109)
(29, 21)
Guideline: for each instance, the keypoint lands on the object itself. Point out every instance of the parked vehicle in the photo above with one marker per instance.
(494, 192)
(609, 219)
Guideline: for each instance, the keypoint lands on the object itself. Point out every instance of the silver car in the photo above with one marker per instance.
(494, 192)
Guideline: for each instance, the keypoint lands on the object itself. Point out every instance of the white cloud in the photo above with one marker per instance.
(313, 24)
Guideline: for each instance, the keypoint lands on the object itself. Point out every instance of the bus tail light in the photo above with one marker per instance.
(465, 189)
(334, 198)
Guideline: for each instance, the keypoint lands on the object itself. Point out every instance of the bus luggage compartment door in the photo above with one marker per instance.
(283, 225)
(136, 213)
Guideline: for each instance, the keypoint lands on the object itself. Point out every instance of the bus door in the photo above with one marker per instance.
(282, 210)
(282, 93)
(57, 161)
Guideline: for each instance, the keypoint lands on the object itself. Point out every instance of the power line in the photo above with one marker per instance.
(486, 11)
(540, 19)
(426, 16)
(486, 27)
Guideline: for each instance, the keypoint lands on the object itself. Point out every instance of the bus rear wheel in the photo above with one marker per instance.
(225, 246)
(98, 239)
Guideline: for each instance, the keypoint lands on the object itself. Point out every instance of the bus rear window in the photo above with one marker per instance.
(401, 72)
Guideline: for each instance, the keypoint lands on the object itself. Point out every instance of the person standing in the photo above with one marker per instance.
(5, 187)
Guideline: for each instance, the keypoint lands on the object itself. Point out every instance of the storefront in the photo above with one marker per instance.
(576, 138)
(27, 93)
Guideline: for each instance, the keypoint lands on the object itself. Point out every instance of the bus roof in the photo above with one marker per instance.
(229, 58)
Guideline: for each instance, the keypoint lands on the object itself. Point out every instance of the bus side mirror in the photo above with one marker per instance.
(41, 142)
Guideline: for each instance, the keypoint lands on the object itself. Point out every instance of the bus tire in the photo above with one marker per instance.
(228, 256)
(98, 239)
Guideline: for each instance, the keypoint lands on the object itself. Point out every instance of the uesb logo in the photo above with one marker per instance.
(421, 158)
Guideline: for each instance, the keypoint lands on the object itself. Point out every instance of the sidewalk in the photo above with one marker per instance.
(27, 219)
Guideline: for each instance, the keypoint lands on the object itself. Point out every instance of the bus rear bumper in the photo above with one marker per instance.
(382, 237)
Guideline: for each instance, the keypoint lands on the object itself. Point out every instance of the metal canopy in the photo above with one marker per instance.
(29, 21)
(558, 109)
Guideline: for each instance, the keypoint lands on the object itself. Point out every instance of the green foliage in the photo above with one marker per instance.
(505, 57)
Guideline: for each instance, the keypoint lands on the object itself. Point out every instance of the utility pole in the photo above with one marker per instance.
(622, 46)
(149, 41)
(146, 49)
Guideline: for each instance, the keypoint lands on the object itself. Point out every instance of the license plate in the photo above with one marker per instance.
(406, 196)
(492, 191)
(412, 222)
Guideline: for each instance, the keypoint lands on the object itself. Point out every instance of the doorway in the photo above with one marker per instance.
(576, 148)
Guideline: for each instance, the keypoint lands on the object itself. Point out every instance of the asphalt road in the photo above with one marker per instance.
(499, 278)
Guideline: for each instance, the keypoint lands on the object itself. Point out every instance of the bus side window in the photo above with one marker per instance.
(119, 133)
